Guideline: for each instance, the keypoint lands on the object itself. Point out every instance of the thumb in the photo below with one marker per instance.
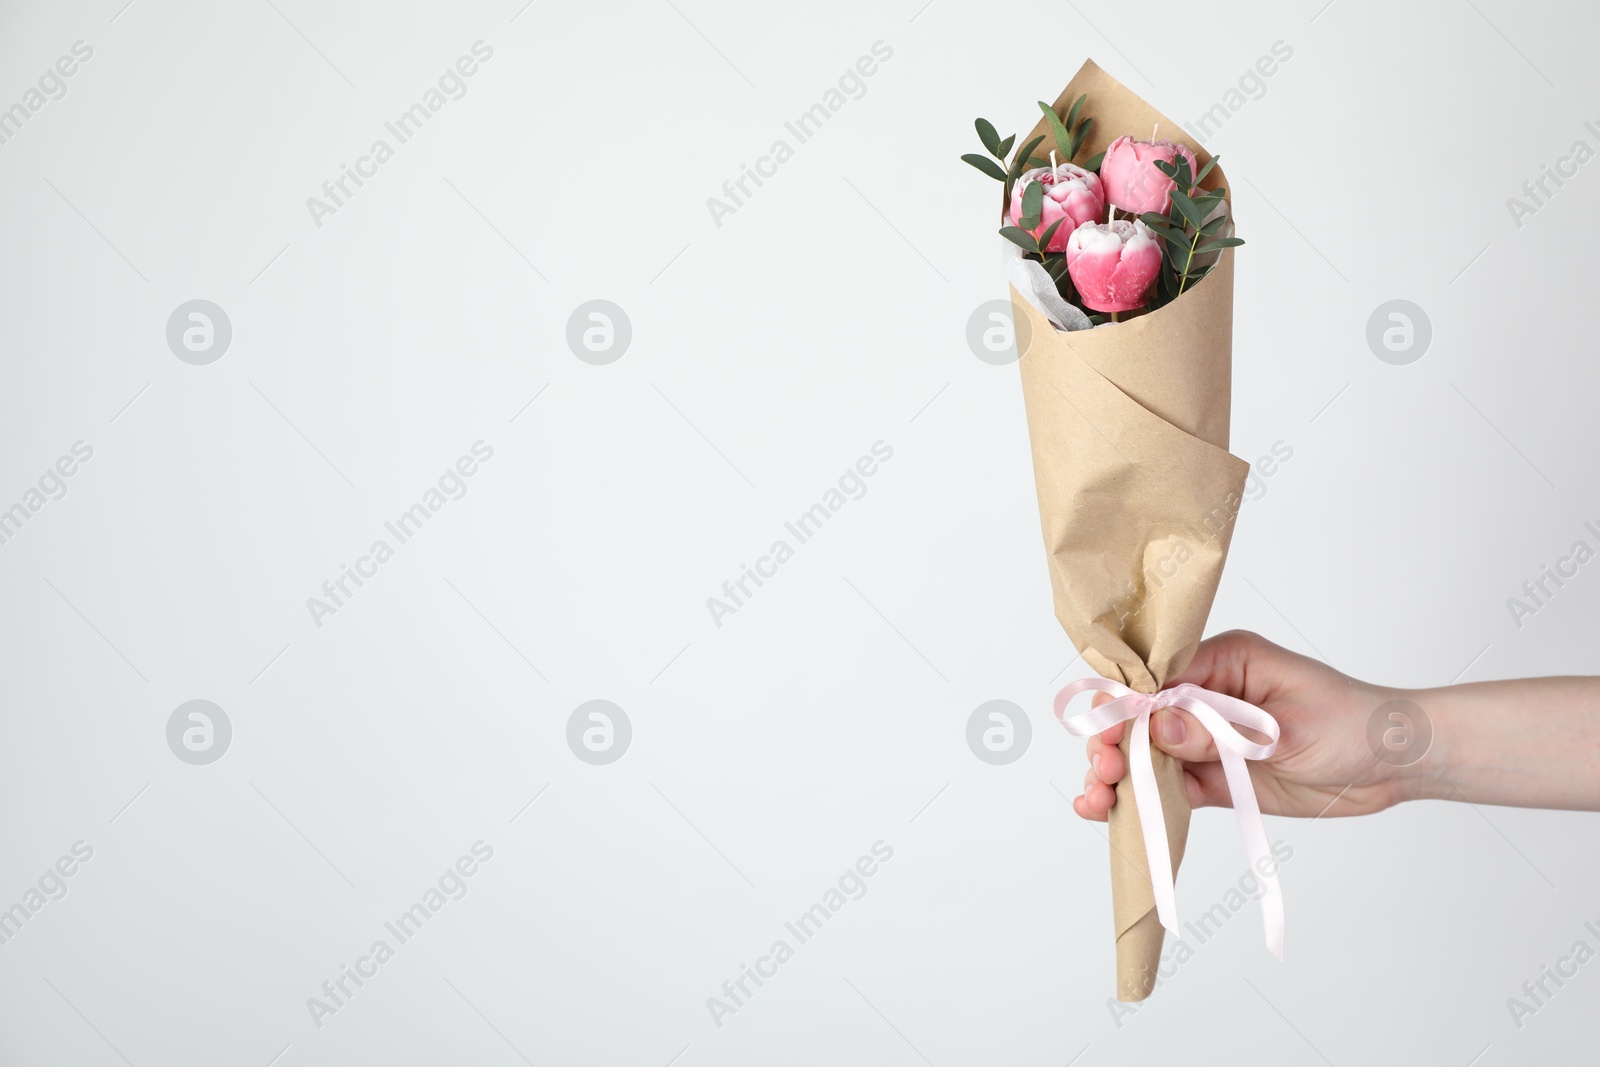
(1177, 733)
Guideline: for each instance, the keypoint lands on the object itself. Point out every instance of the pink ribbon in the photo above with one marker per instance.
(1215, 711)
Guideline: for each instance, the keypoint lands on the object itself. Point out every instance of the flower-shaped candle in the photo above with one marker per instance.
(1113, 264)
(1130, 176)
(1070, 193)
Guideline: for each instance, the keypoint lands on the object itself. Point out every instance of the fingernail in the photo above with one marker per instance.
(1094, 761)
(1173, 730)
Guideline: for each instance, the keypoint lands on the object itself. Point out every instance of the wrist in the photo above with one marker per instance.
(1412, 735)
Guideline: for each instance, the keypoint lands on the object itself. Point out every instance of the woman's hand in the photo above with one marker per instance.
(1323, 755)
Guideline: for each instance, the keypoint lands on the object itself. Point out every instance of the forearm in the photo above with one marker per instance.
(1533, 742)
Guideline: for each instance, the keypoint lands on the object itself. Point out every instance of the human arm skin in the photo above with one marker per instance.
(1528, 743)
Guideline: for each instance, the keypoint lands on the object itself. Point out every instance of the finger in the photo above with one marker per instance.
(1220, 662)
(1098, 799)
(1177, 733)
(1081, 806)
(1206, 785)
(1106, 760)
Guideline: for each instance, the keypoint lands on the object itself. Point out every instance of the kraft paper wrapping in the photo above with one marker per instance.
(1137, 499)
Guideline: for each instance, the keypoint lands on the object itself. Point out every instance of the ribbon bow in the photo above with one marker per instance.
(1215, 711)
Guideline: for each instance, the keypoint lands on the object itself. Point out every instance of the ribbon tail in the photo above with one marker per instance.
(1257, 850)
(1152, 822)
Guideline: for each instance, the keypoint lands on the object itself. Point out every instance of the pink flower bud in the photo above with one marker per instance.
(1131, 179)
(1114, 265)
(1070, 192)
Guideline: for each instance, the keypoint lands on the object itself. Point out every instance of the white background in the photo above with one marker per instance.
(828, 313)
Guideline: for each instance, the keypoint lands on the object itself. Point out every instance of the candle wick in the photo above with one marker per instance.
(1052, 161)
(1153, 130)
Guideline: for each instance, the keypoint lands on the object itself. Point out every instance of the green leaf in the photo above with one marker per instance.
(1032, 205)
(1184, 179)
(1174, 236)
(1063, 138)
(1219, 244)
(1072, 112)
(1191, 212)
(1094, 164)
(1021, 238)
(1005, 148)
(1193, 279)
(1020, 163)
(987, 165)
(1210, 228)
(1080, 136)
(1166, 168)
(1044, 238)
(990, 139)
(1158, 291)
(1038, 161)
(1198, 178)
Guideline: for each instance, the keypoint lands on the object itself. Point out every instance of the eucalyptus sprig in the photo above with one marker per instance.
(1186, 231)
(998, 148)
(994, 146)
(1032, 196)
(1071, 135)
(1054, 263)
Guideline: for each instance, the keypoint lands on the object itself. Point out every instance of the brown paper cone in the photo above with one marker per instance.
(1139, 931)
(1137, 499)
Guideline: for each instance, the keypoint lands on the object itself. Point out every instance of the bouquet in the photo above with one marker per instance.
(1119, 254)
